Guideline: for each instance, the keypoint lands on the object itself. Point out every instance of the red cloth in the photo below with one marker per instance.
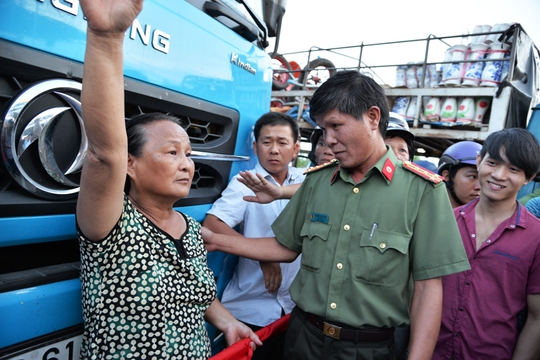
(241, 349)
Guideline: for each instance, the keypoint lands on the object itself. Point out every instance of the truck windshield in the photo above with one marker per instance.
(242, 16)
(254, 5)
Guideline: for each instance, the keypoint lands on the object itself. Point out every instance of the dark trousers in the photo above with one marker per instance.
(304, 340)
(401, 338)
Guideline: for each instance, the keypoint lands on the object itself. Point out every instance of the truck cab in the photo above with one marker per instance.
(202, 61)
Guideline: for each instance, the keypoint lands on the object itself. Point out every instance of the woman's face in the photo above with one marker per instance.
(323, 153)
(165, 168)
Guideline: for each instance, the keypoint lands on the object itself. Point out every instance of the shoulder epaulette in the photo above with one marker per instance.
(319, 167)
(423, 173)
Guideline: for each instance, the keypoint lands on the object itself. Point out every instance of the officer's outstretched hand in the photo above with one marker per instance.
(207, 236)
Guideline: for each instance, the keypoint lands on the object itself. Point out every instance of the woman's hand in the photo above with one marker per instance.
(265, 192)
(236, 331)
(232, 329)
(106, 16)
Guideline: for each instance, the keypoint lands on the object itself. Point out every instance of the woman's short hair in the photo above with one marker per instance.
(136, 132)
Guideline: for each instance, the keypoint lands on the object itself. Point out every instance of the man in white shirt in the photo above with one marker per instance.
(258, 293)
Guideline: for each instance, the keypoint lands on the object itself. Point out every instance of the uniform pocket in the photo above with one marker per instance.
(382, 257)
(314, 236)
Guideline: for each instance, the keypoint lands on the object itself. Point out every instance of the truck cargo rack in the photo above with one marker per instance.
(511, 100)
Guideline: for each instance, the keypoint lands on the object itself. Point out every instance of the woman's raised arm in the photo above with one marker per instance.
(104, 172)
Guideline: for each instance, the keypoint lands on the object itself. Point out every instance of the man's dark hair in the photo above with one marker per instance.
(276, 118)
(351, 93)
(520, 147)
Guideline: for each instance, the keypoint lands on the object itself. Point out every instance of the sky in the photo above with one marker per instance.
(346, 23)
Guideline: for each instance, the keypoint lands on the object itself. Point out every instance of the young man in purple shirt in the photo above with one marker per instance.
(502, 240)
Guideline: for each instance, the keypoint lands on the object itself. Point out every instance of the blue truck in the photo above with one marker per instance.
(202, 61)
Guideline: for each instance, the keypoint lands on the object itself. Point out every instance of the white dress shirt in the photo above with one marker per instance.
(246, 296)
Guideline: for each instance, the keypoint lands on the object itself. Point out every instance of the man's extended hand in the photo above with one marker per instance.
(265, 192)
(272, 276)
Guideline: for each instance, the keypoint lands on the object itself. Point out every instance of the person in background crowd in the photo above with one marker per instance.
(258, 293)
(426, 164)
(146, 287)
(524, 199)
(481, 306)
(320, 152)
(399, 137)
(457, 166)
(533, 206)
(366, 263)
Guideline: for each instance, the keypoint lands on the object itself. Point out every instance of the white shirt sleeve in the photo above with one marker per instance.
(231, 207)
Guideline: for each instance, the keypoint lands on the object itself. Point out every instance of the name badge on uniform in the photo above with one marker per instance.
(318, 217)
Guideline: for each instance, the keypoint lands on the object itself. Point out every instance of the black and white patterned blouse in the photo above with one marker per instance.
(144, 294)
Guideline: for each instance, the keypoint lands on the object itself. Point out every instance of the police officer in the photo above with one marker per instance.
(373, 232)
(457, 166)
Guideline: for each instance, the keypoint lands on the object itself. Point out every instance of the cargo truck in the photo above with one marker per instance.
(202, 61)
(512, 99)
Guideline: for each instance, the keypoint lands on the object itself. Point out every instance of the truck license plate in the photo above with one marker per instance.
(67, 349)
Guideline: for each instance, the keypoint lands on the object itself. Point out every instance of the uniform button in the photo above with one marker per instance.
(473, 235)
(461, 309)
(339, 266)
(467, 283)
(488, 241)
(455, 334)
(333, 305)
(346, 228)
(355, 190)
(512, 226)
(382, 245)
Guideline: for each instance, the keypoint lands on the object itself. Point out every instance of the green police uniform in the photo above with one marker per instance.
(363, 244)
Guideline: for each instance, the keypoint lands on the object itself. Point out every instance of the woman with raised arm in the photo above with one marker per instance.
(146, 286)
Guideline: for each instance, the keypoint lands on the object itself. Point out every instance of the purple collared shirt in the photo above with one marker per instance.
(481, 305)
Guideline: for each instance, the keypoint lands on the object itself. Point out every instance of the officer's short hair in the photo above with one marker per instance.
(351, 93)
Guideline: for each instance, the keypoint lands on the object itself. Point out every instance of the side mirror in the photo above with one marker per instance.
(273, 14)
